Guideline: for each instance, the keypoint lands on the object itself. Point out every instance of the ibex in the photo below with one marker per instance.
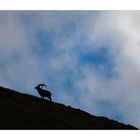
(43, 93)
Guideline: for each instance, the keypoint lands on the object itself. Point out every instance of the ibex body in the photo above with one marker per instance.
(43, 93)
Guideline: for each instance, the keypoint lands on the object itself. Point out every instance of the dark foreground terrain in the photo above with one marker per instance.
(21, 111)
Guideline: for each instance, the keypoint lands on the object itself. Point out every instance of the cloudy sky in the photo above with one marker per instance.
(88, 59)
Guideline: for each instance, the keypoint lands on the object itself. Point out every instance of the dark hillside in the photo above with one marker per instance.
(21, 111)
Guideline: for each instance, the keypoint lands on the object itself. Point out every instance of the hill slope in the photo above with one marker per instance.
(21, 111)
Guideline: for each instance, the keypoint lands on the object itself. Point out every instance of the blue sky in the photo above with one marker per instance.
(88, 59)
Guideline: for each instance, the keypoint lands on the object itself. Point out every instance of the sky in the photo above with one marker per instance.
(87, 59)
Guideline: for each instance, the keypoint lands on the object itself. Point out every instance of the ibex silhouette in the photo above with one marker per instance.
(43, 93)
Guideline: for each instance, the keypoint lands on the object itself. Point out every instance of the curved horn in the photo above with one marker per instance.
(42, 85)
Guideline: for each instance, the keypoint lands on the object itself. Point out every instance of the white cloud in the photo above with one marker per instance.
(122, 30)
(19, 67)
